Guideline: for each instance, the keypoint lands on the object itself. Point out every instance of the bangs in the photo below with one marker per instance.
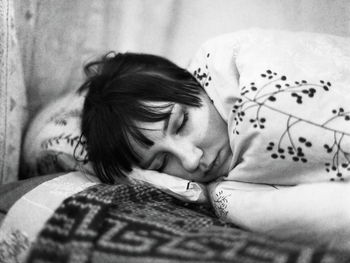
(146, 114)
(149, 86)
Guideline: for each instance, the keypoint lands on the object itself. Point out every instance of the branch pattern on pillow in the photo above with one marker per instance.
(254, 99)
(53, 136)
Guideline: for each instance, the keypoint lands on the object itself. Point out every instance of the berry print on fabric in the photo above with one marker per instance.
(290, 145)
(203, 76)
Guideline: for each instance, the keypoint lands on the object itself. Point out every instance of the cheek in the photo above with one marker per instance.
(201, 126)
(216, 126)
(221, 125)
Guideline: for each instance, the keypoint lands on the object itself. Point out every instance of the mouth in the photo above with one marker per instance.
(212, 165)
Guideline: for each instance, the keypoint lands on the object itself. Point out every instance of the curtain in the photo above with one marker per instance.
(58, 37)
(12, 96)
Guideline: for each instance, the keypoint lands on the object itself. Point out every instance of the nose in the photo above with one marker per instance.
(189, 155)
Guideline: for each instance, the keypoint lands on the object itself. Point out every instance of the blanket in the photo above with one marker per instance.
(124, 223)
(285, 97)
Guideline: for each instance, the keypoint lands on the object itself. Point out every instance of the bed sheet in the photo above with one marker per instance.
(30, 203)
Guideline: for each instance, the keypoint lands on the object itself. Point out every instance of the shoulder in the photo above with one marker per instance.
(214, 67)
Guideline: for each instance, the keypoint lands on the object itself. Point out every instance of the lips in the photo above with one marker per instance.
(211, 166)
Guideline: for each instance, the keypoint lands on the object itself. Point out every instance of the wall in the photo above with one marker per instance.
(57, 37)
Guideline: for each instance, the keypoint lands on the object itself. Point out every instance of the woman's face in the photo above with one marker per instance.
(192, 144)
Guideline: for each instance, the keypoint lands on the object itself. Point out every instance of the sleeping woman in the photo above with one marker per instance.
(260, 117)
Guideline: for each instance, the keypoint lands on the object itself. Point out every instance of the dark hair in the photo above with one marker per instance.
(117, 86)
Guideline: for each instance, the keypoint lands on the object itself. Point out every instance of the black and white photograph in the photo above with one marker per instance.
(141, 131)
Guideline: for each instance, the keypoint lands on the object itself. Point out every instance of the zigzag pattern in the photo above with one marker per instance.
(141, 224)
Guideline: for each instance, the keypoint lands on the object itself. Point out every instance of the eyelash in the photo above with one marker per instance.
(165, 160)
(184, 121)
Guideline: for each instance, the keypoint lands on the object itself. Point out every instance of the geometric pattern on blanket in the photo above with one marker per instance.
(123, 223)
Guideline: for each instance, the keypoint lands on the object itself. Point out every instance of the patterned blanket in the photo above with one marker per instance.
(124, 223)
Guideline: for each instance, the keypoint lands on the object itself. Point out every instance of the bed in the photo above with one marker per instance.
(67, 215)
(124, 223)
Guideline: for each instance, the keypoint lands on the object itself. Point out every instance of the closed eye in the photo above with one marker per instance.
(164, 163)
(178, 130)
(183, 123)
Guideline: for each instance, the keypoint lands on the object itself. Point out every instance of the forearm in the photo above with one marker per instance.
(317, 213)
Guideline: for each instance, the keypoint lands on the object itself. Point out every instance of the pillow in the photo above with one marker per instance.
(52, 137)
(12, 96)
(54, 134)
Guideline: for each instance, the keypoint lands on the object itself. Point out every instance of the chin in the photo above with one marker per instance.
(209, 178)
